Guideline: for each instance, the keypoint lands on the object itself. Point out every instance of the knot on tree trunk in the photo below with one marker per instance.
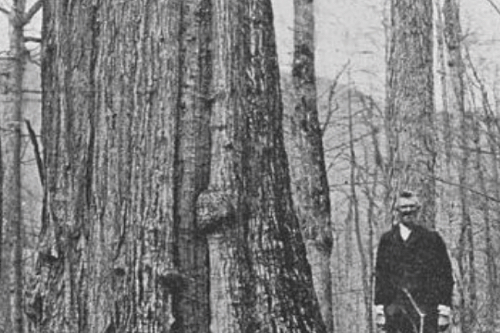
(214, 209)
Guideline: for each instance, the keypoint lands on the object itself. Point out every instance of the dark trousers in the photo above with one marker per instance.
(402, 317)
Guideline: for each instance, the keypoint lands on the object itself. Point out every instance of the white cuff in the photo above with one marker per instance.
(379, 309)
(444, 310)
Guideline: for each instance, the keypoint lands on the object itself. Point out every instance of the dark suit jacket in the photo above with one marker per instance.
(420, 264)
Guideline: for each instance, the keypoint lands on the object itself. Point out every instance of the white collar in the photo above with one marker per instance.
(404, 231)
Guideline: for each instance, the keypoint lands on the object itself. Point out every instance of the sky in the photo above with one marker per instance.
(352, 31)
(346, 31)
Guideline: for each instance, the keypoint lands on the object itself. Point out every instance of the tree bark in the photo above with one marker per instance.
(68, 137)
(492, 144)
(447, 119)
(3, 291)
(12, 120)
(410, 105)
(112, 88)
(485, 207)
(306, 155)
(466, 256)
(365, 268)
(192, 164)
(247, 210)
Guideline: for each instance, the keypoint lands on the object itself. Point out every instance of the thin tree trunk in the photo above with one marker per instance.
(466, 259)
(12, 162)
(492, 130)
(410, 105)
(371, 194)
(367, 291)
(491, 229)
(307, 165)
(1, 220)
(443, 75)
(448, 119)
(490, 119)
(485, 207)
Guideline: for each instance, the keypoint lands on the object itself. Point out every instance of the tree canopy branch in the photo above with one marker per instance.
(4, 10)
(495, 7)
(32, 11)
(36, 148)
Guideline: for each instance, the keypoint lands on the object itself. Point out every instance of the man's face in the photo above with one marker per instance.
(408, 211)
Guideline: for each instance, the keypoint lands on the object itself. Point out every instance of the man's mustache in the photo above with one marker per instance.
(408, 213)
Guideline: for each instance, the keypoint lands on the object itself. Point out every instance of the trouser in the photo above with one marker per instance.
(404, 318)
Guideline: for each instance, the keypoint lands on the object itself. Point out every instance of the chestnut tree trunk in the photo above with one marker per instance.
(260, 278)
(410, 124)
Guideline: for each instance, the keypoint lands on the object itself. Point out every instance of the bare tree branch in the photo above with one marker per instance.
(36, 148)
(494, 6)
(467, 188)
(331, 94)
(4, 10)
(32, 11)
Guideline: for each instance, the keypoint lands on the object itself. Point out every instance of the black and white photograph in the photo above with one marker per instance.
(250, 166)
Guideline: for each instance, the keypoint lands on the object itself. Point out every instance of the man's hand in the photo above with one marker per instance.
(380, 316)
(444, 313)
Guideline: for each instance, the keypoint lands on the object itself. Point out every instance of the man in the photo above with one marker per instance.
(413, 276)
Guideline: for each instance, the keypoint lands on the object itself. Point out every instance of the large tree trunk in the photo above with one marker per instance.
(264, 282)
(410, 105)
(68, 136)
(192, 165)
(120, 252)
(307, 165)
(138, 83)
